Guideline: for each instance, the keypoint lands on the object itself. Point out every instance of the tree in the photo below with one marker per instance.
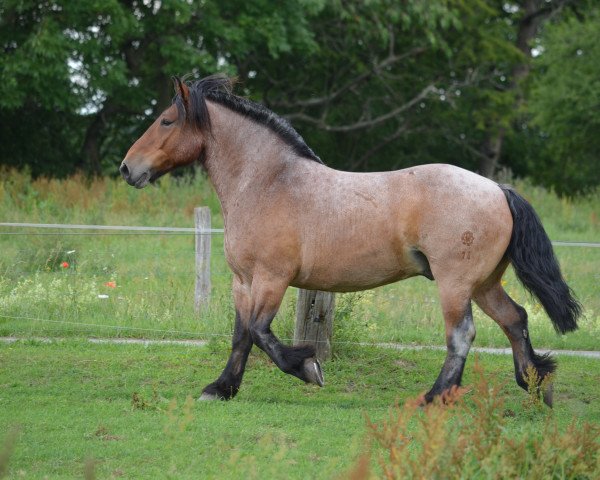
(103, 66)
(528, 17)
(565, 105)
(394, 84)
(370, 85)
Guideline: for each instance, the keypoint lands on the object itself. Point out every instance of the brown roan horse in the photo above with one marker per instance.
(291, 220)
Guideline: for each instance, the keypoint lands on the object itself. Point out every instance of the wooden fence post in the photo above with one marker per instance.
(314, 321)
(203, 237)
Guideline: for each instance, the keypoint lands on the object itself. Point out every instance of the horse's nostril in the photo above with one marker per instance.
(124, 171)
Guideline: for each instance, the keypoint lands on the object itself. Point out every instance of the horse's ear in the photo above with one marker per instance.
(181, 89)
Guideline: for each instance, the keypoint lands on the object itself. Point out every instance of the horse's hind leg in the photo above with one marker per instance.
(299, 361)
(228, 383)
(512, 318)
(460, 333)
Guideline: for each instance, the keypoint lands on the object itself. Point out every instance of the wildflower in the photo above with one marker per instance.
(504, 282)
(111, 284)
(64, 264)
(102, 296)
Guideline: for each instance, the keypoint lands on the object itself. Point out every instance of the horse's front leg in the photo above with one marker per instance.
(228, 384)
(299, 361)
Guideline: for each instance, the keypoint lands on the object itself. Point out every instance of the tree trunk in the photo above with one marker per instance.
(534, 12)
(491, 150)
(164, 87)
(90, 150)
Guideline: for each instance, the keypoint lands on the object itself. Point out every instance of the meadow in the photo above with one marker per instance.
(128, 411)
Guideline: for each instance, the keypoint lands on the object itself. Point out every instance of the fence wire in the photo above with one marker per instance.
(181, 333)
(128, 228)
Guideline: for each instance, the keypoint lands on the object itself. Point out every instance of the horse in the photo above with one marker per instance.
(290, 220)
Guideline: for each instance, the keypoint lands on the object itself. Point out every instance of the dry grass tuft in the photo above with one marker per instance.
(7, 449)
(536, 388)
(456, 438)
(89, 469)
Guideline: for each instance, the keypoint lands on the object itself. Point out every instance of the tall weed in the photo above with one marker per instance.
(458, 438)
(6, 450)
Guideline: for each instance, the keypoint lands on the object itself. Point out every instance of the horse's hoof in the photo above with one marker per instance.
(313, 372)
(206, 397)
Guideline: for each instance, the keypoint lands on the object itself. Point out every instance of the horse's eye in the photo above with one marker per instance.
(166, 122)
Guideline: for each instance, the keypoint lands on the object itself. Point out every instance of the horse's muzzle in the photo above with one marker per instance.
(136, 177)
(124, 169)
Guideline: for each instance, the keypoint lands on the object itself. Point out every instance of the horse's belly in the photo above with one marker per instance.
(344, 285)
(337, 274)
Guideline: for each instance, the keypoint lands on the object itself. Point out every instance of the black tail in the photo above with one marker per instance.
(531, 254)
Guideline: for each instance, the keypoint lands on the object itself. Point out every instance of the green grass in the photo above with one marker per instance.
(72, 401)
(154, 274)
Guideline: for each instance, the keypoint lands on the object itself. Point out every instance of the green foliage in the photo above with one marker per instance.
(430, 60)
(370, 85)
(536, 387)
(564, 104)
(354, 317)
(101, 68)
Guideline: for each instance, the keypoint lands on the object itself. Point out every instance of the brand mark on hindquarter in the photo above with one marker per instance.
(467, 238)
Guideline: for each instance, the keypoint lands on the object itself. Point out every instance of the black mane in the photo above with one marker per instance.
(218, 88)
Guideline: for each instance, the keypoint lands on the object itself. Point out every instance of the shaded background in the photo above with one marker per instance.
(497, 87)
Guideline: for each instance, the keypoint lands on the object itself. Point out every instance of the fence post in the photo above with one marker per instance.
(314, 321)
(203, 237)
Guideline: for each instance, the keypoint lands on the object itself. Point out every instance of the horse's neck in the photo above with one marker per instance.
(240, 153)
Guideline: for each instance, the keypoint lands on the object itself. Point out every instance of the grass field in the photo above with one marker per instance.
(124, 407)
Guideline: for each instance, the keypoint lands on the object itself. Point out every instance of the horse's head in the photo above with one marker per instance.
(173, 140)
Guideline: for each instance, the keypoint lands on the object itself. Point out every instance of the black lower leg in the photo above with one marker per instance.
(458, 345)
(450, 376)
(290, 360)
(524, 356)
(228, 383)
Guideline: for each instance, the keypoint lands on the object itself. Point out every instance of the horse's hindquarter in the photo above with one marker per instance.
(466, 224)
